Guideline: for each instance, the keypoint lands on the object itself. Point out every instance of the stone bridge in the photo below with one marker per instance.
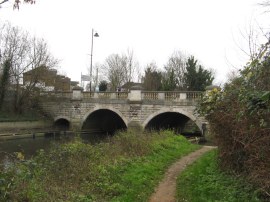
(110, 111)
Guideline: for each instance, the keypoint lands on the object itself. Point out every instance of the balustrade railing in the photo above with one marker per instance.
(64, 94)
(145, 95)
(194, 95)
(122, 95)
(88, 95)
(172, 95)
(149, 95)
(105, 95)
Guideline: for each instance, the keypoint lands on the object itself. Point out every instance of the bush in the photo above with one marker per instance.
(240, 122)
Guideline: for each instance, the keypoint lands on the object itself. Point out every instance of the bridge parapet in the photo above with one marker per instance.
(175, 96)
(171, 95)
(105, 95)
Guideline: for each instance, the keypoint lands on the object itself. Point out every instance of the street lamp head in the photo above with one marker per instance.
(96, 35)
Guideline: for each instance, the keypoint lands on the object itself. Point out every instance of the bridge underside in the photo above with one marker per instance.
(173, 121)
(103, 121)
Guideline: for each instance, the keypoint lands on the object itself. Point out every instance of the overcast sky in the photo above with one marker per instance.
(153, 29)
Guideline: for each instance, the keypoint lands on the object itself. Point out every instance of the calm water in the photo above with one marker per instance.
(29, 146)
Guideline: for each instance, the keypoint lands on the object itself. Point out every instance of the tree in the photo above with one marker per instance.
(25, 53)
(103, 85)
(152, 78)
(4, 78)
(196, 78)
(176, 66)
(119, 69)
(239, 118)
(17, 3)
(169, 80)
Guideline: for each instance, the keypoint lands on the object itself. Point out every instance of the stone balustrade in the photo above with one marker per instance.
(132, 95)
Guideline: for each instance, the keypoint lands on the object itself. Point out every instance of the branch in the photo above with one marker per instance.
(4, 1)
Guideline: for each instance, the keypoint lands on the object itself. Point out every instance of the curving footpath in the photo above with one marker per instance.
(166, 190)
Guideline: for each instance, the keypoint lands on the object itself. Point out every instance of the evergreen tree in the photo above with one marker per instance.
(152, 78)
(169, 80)
(196, 78)
(103, 85)
(4, 81)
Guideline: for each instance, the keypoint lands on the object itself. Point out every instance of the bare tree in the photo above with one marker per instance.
(131, 65)
(16, 4)
(25, 53)
(120, 69)
(177, 64)
(114, 70)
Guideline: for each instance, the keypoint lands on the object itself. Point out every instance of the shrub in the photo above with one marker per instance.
(240, 122)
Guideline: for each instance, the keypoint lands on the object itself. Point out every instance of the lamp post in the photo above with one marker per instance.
(93, 35)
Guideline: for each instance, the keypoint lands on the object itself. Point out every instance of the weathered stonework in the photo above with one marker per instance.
(135, 109)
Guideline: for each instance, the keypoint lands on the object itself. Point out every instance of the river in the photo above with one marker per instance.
(30, 146)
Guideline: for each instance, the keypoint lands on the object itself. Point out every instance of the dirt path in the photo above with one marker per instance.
(166, 190)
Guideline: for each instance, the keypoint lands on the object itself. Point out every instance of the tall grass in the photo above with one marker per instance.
(203, 181)
(126, 167)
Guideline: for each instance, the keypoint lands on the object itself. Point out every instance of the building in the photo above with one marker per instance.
(48, 79)
(127, 86)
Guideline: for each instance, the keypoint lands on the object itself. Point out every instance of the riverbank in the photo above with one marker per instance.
(126, 167)
(21, 126)
(24, 129)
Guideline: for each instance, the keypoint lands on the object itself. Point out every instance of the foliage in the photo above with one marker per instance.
(126, 167)
(17, 3)
(239, 119)
(203, 181)
(4, 79)
(184, 73)
(103, 85)
(30, 115)
(152, 78)
(177, 63)
(25, 53)
(196, 78)
(169, 80)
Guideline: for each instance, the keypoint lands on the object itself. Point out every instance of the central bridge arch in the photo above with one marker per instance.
(104, 120)
(167, 118)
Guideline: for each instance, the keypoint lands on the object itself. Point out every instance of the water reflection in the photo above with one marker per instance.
(30, 146)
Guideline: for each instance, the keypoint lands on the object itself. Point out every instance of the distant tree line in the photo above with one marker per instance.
(180, 73)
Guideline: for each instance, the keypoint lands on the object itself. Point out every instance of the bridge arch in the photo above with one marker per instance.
(171, 111)
(61, 123)
(108, 119)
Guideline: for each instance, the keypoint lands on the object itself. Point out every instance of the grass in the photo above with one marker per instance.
(126, 167)
(30, 115)
(203, 181)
